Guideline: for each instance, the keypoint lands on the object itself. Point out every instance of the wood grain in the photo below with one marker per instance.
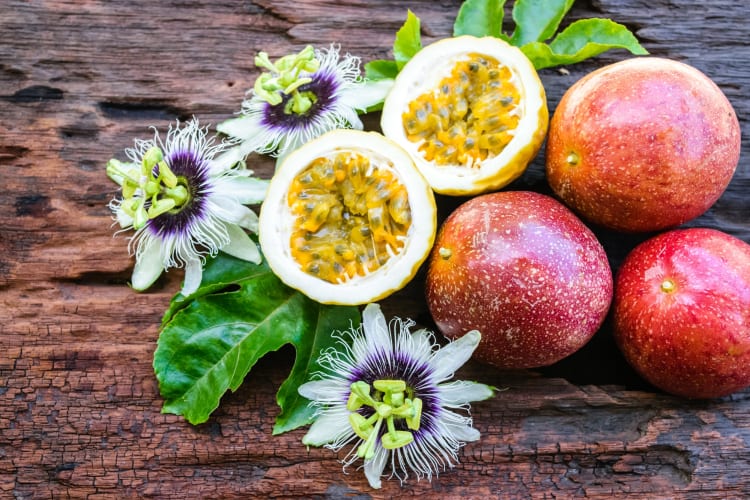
(79, 404)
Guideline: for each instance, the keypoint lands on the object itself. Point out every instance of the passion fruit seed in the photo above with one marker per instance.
(472, 114)
(351, 216)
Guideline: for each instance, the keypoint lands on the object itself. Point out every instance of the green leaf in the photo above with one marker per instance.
(537, 20)
(240, 313)
(381, 69)
(480, 18)
(582, 40)
(296, 410)
(218, 274)
(408, 40)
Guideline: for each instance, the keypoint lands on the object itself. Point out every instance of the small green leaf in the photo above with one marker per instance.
(480, 18)
(408, 40)
(582, 40)
(381, 70)
(213, 338)
(537, 20)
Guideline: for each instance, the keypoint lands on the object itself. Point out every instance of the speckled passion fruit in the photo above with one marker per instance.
(348, 218)
(681, 312)
(642, 145)
(523, 270)
(472, 113)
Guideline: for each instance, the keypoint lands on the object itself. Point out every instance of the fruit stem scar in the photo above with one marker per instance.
(445, 253)
(572, 159)
(668, 286)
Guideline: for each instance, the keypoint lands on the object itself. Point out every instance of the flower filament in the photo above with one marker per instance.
(151, 191)
(389, 402)
(282, 78)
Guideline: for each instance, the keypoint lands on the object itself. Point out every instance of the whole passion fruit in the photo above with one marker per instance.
(472, 113)
(523, 270)
(642, 145)
(681, 312)
(348, 219)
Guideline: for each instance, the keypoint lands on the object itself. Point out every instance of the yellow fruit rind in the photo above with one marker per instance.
(431, 66)
(278, 222)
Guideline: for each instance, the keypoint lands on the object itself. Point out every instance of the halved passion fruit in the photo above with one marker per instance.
(472, 113)
(347, 219)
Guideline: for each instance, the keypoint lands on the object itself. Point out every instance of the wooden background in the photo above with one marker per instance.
(79, 404)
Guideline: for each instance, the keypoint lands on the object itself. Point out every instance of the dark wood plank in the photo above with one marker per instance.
(79, 405)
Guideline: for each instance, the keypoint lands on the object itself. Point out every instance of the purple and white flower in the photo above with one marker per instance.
(385, 393)
(300, 97)
(184, 202)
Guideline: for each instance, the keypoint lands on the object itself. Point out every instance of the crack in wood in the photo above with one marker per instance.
(32, 205)
(141, 110)
(10, 153)
(35, 93)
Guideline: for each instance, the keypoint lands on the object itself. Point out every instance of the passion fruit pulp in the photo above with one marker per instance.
(472, 113)
(348, 219)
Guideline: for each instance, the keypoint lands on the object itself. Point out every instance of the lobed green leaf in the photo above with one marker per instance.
(296, 410)
(537, 20)
(218, 274)
(582, 40)
(241, 312)
(480, 18)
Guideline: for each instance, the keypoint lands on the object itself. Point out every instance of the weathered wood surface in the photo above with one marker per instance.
(79, 405)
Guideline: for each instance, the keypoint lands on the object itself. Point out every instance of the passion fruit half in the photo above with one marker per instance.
(471, 111)
(347, 219)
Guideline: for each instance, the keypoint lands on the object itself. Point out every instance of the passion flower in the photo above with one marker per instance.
(184, 202)
(472, 113)
(299, 97)
(386, 393)
(348, 219)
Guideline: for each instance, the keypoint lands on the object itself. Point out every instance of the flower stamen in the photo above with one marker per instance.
(150, 192)
(282, 78)
(389, 403)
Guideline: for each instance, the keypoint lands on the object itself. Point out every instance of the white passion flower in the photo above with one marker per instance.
(184, 203)
(300, 97)
(387, 395)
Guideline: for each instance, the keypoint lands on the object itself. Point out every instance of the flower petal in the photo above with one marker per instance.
(148, 266)
(123, 219)
(461, 392)
(376, 330)
(329, 427)
(233, 212)
(374, 467)
(243, 127)
(228, 159)
(420, 346)
(451, 357)
(351, 117)
(193, 276)
(462, 432)
(246, 190)
(317, 390)
(362, 97)
(240, 245)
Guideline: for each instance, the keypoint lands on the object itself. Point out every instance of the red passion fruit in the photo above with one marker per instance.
(681, 312)
(523, 270)
(642, 145)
